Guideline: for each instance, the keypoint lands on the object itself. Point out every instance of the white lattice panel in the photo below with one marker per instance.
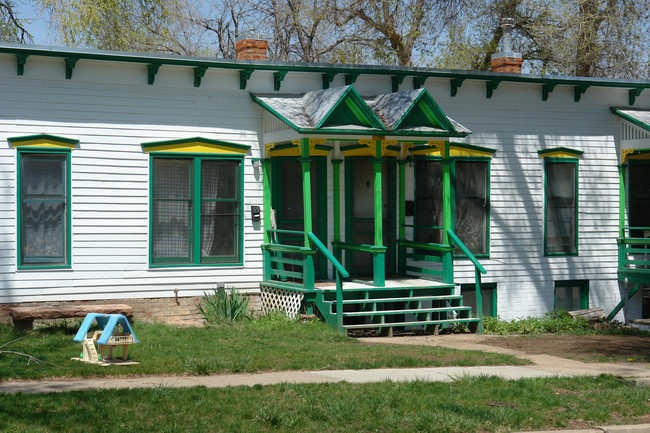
(274, 299)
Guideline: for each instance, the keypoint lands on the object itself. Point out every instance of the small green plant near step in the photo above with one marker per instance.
(221, 306)
(557, 321)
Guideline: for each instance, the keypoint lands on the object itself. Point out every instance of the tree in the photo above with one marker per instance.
(135, 25)
(12, 28)
(396, 29)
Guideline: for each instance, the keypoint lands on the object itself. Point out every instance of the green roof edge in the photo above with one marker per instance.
(153, 144)
(42, 136)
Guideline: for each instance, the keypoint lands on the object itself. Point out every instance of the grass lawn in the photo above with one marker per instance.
(240, 347)
(465, 406)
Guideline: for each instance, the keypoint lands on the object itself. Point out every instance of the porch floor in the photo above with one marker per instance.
(391, 283)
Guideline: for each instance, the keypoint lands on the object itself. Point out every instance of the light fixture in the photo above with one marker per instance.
(256, 163)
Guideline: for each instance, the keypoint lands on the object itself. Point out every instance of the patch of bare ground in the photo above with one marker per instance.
(586, 348)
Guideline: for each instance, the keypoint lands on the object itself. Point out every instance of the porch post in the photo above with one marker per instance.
(621, 200)
(402, 216)
(305, 160)
(379, 262)
(447, 215)
(266, 179)
(336, 165)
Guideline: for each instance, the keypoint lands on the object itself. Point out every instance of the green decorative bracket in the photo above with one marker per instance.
(20, 63)
(328, 77)
(547, 89)
(244, 76)
(70, 63)
(395, 81)
(419, 81)
(278, 76)
(199, 72)
(152, 70)
(455, 85)
(490, 87)
(578, 91)
(633, 94)
(351, 78)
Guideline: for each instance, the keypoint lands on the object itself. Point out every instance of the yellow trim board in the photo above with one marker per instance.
(197, 147)
(45, 143)
(560, 154)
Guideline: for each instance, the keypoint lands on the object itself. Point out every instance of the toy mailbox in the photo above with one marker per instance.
(106, 338)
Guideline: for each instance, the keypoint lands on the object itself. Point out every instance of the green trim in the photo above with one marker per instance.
(155, 144)
(630, 119)
(15, 141)
(544, 152)
(455, 84)
(431, 111)
(194, 257)
(199, 72)
(621, 200)
(152, 70)
(472, 147)
(353, 101)
(579, 90)
(67, 235)
(575, 251)
(547, 89)
(583, 287)
(320, 68)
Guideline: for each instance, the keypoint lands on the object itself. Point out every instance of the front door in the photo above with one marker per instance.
(360, 218)
(287, 200)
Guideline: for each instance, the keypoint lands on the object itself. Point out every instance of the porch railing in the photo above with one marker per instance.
(437, 261)
(378, 258)
(299, 259)
(634, 252)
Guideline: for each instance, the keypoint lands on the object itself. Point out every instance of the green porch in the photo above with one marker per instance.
(367, 267)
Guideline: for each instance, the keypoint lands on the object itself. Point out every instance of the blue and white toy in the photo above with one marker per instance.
(106, 338)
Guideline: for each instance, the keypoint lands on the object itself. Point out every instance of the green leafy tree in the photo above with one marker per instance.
(12, 28)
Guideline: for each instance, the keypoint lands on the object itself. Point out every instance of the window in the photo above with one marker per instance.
(571, 295)
(488, 293)
(44, 220)
(196, 215)
(472, 205)
(561, 214)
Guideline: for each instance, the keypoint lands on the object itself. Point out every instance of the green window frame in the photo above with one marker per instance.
(44, 219)
(196, 215)
(560, 206)
(571, 295)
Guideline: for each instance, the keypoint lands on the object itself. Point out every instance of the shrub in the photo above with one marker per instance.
(557, 321)
(220, 306)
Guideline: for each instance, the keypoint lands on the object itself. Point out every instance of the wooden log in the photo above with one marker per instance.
(591, 314)
(23, 317)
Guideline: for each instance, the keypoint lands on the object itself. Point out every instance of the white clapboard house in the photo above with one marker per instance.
(376, 196)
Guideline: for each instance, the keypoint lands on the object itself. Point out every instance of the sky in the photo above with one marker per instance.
(39, 26)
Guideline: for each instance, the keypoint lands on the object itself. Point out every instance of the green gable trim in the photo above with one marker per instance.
(550, 152)
(424, 111)
(351, 109)
(631, 119)
(235, 146)
(16, 141)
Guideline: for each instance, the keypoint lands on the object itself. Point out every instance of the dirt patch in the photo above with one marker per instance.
(586, 348)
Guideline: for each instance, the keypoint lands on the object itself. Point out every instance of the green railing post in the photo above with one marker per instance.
(379, 269)
(336, 163)
(339, 302)
(401, 250)
(309, 273)
(378, 262)
(479, 299)
(266, 179)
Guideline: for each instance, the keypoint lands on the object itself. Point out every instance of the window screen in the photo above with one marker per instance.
(561, 207)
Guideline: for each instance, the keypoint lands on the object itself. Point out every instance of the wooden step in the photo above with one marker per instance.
(357, 287)
(399, 299)
(410, 311)
(413, 323)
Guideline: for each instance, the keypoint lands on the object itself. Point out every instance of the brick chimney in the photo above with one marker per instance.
(251, 45)
(507, 60)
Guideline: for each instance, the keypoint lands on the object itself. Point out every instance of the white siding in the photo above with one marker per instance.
(109, 107)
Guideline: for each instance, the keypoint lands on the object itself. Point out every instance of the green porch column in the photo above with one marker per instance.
(379, 262)
(305, 160)
(336, 165)
(402, 216)
(621, 201)
(266, 179)
(447, 215)
(266, 211)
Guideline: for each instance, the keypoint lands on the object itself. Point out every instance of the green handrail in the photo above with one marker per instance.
(478, 270)
(339, 267)
(340, 272)
(466, 251)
